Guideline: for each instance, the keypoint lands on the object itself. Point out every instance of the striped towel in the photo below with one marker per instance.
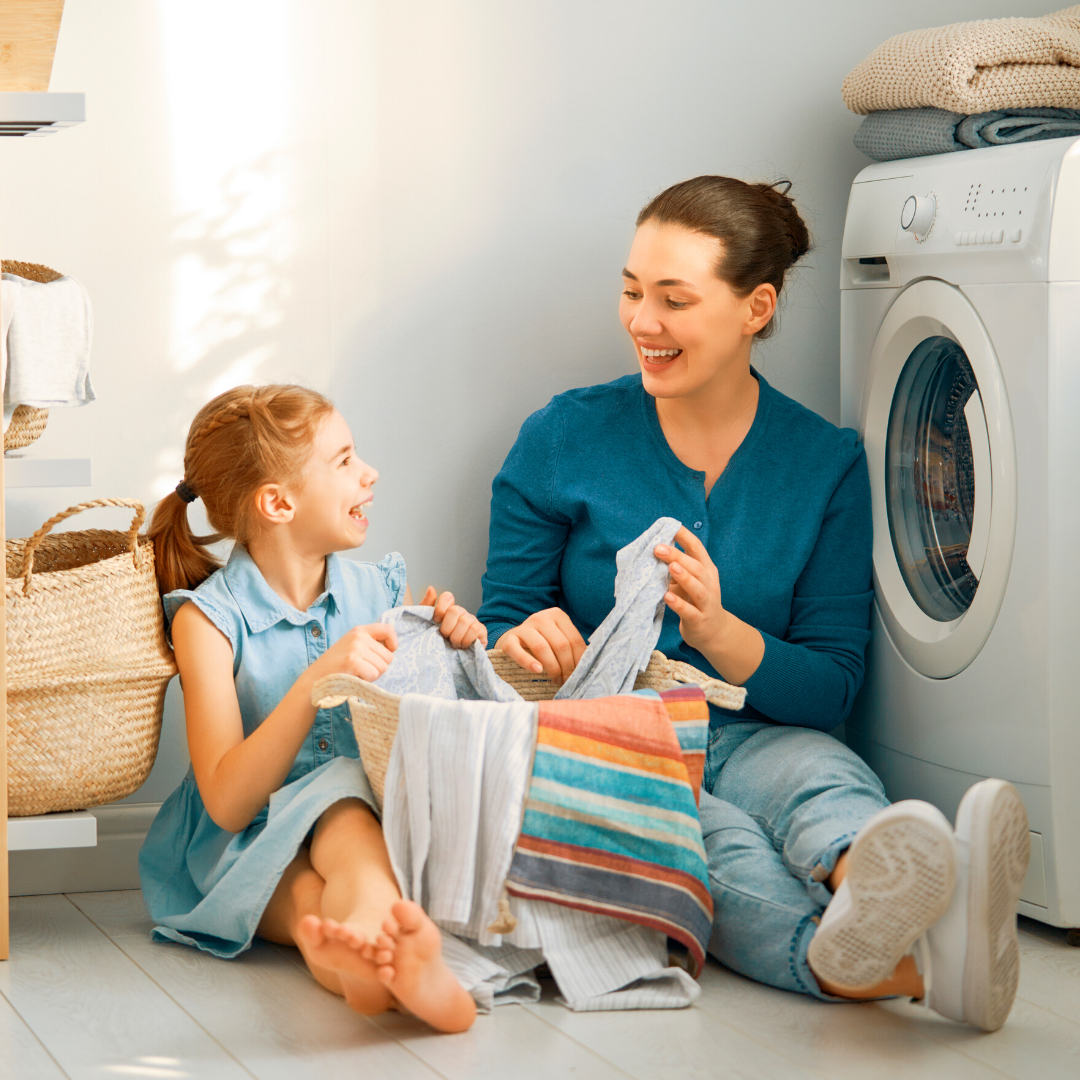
(611, 823)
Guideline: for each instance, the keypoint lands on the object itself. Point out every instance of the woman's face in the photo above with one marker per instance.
(688, 327)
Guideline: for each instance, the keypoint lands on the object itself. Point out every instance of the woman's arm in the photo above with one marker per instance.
(237, 776)
(526, 539)
(809, 676)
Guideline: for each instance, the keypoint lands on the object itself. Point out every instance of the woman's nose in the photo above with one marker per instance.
(646, 321)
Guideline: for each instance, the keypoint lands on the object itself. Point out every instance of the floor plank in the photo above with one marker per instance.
(1049, 970)
(266, 1011)
(92, 1009)
(675, 1044)
(21, 1053)
(839, 1040)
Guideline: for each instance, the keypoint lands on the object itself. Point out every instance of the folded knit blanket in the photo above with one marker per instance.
(974, 67)
(903, 133)
(611, 823)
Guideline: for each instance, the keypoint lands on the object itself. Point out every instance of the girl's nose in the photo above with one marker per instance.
(371, 477)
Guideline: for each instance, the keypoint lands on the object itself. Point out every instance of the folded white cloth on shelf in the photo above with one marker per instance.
(974, 67)
(48, 332)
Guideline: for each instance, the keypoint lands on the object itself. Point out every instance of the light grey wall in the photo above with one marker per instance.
(420, 207)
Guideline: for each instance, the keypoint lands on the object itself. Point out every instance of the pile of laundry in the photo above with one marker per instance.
(969, 85)
(564, 832)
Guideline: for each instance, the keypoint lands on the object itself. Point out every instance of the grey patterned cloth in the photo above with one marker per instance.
(426, 663)
(620, 647)
(903, 133)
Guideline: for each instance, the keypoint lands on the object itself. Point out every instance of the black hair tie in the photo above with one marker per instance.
(784, 191)
(185, 492)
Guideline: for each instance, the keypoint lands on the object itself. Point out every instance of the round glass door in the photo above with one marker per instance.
(935, 446)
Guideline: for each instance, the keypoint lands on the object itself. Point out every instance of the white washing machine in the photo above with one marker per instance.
(960, 368)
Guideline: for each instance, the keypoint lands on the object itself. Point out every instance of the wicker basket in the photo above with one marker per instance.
(87, 665)
(27, 423)
(375, 712)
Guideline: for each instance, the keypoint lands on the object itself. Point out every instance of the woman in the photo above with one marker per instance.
(820, 885)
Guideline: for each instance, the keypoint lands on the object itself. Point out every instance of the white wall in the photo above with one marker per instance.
(419, 207)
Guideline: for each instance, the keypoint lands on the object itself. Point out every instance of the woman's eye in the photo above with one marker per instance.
(678, 305)
(631, 295)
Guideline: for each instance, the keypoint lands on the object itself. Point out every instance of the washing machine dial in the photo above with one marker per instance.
(918, 215)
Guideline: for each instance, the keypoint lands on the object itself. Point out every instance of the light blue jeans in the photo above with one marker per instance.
(778, 807)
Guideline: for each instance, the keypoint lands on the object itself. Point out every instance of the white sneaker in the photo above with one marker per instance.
(900, 878)
(971, 962)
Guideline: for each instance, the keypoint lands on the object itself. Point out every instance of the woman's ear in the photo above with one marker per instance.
(274, 505)
(760, 306)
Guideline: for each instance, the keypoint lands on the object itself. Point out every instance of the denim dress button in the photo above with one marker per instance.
(323, 744)
(316, 632)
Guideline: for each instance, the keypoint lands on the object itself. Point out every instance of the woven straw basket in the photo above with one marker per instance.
(87, 665)
(375, 712)
(27, 423)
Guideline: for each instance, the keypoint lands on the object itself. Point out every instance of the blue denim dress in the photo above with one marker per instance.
(205, 886)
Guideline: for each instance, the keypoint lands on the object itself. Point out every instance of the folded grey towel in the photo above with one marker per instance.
(902, 133)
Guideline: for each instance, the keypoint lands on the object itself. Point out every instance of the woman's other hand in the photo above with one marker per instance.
(547, 641)
(458, 626)
(733, 647)
(365, 651)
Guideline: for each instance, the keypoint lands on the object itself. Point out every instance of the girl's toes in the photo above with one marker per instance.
(385, 974)
(391, 927)
(383, 957)
(409, 914)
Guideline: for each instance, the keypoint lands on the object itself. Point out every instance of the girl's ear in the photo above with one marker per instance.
(760, 305)
(274, 505)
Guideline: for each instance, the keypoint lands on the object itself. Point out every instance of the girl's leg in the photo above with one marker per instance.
(360, 906)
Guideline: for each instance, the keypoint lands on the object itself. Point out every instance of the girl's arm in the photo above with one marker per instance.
(237, 776)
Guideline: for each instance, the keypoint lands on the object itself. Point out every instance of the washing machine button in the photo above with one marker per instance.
(917, 215)
(999, 235)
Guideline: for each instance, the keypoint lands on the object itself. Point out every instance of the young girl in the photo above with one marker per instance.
(272, 832)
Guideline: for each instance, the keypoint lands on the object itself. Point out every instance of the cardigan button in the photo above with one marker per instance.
(697, 524)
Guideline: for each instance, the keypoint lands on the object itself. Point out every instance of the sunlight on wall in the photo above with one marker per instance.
(228, 71)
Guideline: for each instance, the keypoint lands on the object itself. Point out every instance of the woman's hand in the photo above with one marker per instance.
(547, 641)
(733, 647)
(365, 651)
(694, 593)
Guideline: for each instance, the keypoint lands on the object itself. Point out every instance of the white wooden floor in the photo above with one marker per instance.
(86, 994)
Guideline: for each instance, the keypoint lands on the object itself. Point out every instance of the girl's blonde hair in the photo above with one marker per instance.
(242, 439)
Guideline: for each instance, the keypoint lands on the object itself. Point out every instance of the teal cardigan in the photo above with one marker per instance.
(788, 525)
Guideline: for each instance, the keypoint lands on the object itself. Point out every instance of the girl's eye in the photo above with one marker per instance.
(678, 305)
(631, 295)
(346, 460)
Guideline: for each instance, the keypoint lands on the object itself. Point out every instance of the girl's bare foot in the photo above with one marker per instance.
(411, 967)
(348, 952)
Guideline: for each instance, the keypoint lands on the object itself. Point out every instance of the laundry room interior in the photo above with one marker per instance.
(421, 209)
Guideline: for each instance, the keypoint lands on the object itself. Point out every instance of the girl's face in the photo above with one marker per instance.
(335, 490)
(688, 327)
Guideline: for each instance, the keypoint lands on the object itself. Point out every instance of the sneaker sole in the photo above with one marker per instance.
(901, 875)
(993, 817)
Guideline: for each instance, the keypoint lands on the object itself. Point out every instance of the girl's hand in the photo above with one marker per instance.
(457, 625)
(694, 593)
(365, 651)
(547, 641)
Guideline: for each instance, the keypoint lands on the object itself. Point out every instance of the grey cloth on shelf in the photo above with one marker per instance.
(621, 645)
(1017, 125)
(904, 133)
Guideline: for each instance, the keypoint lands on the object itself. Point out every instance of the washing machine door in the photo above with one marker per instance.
(939, 442)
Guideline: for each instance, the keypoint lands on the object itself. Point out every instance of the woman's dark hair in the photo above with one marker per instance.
(761, 232)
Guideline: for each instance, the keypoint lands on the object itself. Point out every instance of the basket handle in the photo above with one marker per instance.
(132, 535)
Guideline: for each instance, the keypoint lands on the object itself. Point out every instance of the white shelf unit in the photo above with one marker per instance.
(23, 115)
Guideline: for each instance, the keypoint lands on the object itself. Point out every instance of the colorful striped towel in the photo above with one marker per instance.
(611, 823)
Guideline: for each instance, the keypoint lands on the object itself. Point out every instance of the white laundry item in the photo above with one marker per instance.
(48, 344)
(455, 791)
(9, 293)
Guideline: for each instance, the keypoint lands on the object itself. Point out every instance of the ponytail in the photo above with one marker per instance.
(242, 439)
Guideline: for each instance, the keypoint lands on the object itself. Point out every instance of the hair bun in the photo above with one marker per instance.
(777, 195)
